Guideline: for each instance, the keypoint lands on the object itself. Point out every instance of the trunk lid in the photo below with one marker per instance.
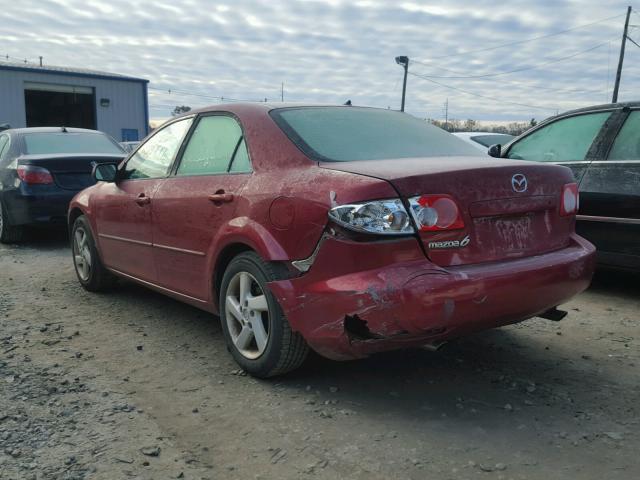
(501, 221)
(69, 171)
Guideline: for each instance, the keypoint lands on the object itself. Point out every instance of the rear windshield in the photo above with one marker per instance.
(342, 134)
(488, 140)
(60, 142)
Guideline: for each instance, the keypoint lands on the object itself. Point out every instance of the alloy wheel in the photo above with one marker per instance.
(82, 253)
(247, 315)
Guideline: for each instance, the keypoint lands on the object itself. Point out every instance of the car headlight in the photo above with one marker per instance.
(383, 217)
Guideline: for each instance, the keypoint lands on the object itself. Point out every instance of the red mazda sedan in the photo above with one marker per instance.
(343, 229)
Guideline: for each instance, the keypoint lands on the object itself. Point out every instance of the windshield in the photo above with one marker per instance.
(61, 142)
(342, 134)
(488, 140)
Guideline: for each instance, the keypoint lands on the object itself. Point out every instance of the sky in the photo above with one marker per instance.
(328, 51)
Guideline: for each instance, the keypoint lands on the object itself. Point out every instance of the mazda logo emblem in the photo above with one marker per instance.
(519, 183)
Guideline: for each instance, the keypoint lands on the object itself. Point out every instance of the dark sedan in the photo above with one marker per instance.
(601, 144)
(41, 169)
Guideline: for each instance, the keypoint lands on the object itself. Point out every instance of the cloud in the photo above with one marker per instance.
(334, 50)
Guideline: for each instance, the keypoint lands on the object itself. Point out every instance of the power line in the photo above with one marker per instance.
(201, 95)
(632, 41)
(508, 72)
(519, 42)
(8, 57)
(428, 79)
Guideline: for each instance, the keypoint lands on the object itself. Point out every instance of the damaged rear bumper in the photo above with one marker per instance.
(360, 298)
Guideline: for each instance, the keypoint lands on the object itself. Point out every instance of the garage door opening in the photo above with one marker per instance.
(59, 106)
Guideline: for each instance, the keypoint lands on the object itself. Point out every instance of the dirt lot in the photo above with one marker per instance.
(131, 384)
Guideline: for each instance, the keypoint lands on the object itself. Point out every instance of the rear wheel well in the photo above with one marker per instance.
(228, 253)
(225, 257)
(73, 216)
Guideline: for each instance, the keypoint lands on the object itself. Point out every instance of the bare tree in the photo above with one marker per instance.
(179, 110)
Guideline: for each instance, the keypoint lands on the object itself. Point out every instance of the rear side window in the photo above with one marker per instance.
(342, 134)
(70, 142)
(212, 146)
(564, 140)
(241, 161)
(627, 144)
(155, 156)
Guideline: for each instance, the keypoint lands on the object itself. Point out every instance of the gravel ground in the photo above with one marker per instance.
(132, 384)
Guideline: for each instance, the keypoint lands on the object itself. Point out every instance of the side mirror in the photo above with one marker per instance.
(105, 172)
(495, 150)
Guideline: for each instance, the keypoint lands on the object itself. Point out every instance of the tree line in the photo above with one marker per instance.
(453, 125)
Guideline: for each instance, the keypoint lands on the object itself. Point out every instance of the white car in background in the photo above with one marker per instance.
(483, 140)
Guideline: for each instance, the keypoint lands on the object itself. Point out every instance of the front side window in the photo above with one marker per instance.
(342, 134)
(564, 140)
(154, 158)
(69, 142)
(212, 146)
(627, 144)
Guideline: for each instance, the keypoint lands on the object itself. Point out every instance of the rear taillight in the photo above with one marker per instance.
(32, 175)
(569, 200)
(434, 213)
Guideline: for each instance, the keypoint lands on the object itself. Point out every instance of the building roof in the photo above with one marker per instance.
(69, 71)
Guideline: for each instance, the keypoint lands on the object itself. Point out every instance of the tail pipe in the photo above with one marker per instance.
(554, 314)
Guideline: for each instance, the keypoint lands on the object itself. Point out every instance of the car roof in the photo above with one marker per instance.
(266, 107)
(604, 106)
(22, 131)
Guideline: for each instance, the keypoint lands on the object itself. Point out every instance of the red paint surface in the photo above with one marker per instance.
(522, 259)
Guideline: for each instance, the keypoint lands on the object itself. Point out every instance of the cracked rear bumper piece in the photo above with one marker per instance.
(360, 298)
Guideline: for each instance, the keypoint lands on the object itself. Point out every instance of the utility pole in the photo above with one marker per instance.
(619, 72)
(404, 62)
(446, 114)
(40, 60)
(282, 92)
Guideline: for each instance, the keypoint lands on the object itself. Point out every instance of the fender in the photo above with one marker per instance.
(244, 230)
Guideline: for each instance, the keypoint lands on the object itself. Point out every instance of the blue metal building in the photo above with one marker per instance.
(35, 96)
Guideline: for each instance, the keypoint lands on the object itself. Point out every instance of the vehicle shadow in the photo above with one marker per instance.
(49, 239)
(617, 283)
(503, 375)
(496, 372)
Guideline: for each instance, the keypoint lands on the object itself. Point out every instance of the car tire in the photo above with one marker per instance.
(247, 303)
(9, 233)
(92, 274)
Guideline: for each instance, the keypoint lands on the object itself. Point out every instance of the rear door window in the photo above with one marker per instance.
(627, 143)
(564, 140)
(154, 158)
(212, 146)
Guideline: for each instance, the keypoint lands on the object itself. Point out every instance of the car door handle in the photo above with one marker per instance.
(143, 199)
(221, 197)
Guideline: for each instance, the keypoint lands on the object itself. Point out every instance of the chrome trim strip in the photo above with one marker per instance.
(181, 250)
(589, 162)
(148, 244)
(122, 239)
(153, 285)
(593, 218)
(604, 162)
